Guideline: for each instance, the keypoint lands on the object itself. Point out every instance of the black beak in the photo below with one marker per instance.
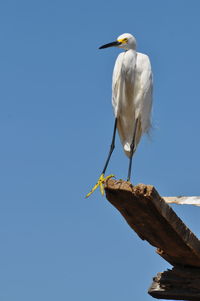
(116, 43)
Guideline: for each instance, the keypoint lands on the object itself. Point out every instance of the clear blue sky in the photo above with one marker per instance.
(56, 122)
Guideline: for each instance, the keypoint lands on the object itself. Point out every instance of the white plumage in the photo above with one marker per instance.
(131, 93)
(131, 100)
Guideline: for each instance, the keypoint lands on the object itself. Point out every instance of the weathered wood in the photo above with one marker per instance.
(177, 284)
(183, 200)
(153, 220)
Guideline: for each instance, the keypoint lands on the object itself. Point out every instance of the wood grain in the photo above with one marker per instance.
(155, 221)
(177, 284)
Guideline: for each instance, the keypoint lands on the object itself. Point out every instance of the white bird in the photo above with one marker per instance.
(131, 99)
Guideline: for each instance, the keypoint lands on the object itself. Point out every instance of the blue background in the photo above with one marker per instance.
(56, 123)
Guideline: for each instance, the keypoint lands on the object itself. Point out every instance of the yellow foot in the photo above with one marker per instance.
(100, 183)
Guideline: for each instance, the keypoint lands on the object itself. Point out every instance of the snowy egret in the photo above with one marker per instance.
(131, 99)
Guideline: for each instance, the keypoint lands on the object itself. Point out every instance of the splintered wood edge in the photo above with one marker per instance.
(143, 189)
(177, 224)
(180, 283)
(179, 200)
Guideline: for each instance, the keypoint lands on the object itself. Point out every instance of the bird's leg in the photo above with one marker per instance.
(112, 146)
(132, 152)
(101, 179)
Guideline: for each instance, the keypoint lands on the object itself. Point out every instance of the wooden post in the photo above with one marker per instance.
(180, 283)
(153, 220)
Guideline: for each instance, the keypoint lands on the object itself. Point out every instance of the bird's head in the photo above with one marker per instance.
(125, 41)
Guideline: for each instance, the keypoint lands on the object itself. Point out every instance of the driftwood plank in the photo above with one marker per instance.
(153, 220)
(183, 200)
(177, 284)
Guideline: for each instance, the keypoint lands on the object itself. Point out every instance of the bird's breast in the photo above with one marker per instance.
(128, 68)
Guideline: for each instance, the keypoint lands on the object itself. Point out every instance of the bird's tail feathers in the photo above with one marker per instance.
(127, 147)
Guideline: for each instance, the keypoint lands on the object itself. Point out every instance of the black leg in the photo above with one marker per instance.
(102, 180)
(132, 151)
(112, 146)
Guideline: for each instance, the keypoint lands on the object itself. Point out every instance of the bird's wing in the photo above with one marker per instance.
(117, 83)
(123, 97)
(132, 96)
(143, 91)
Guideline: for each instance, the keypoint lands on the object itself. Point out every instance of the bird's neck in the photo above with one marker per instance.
(130, 49)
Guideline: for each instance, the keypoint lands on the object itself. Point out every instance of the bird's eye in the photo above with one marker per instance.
(125, 40)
